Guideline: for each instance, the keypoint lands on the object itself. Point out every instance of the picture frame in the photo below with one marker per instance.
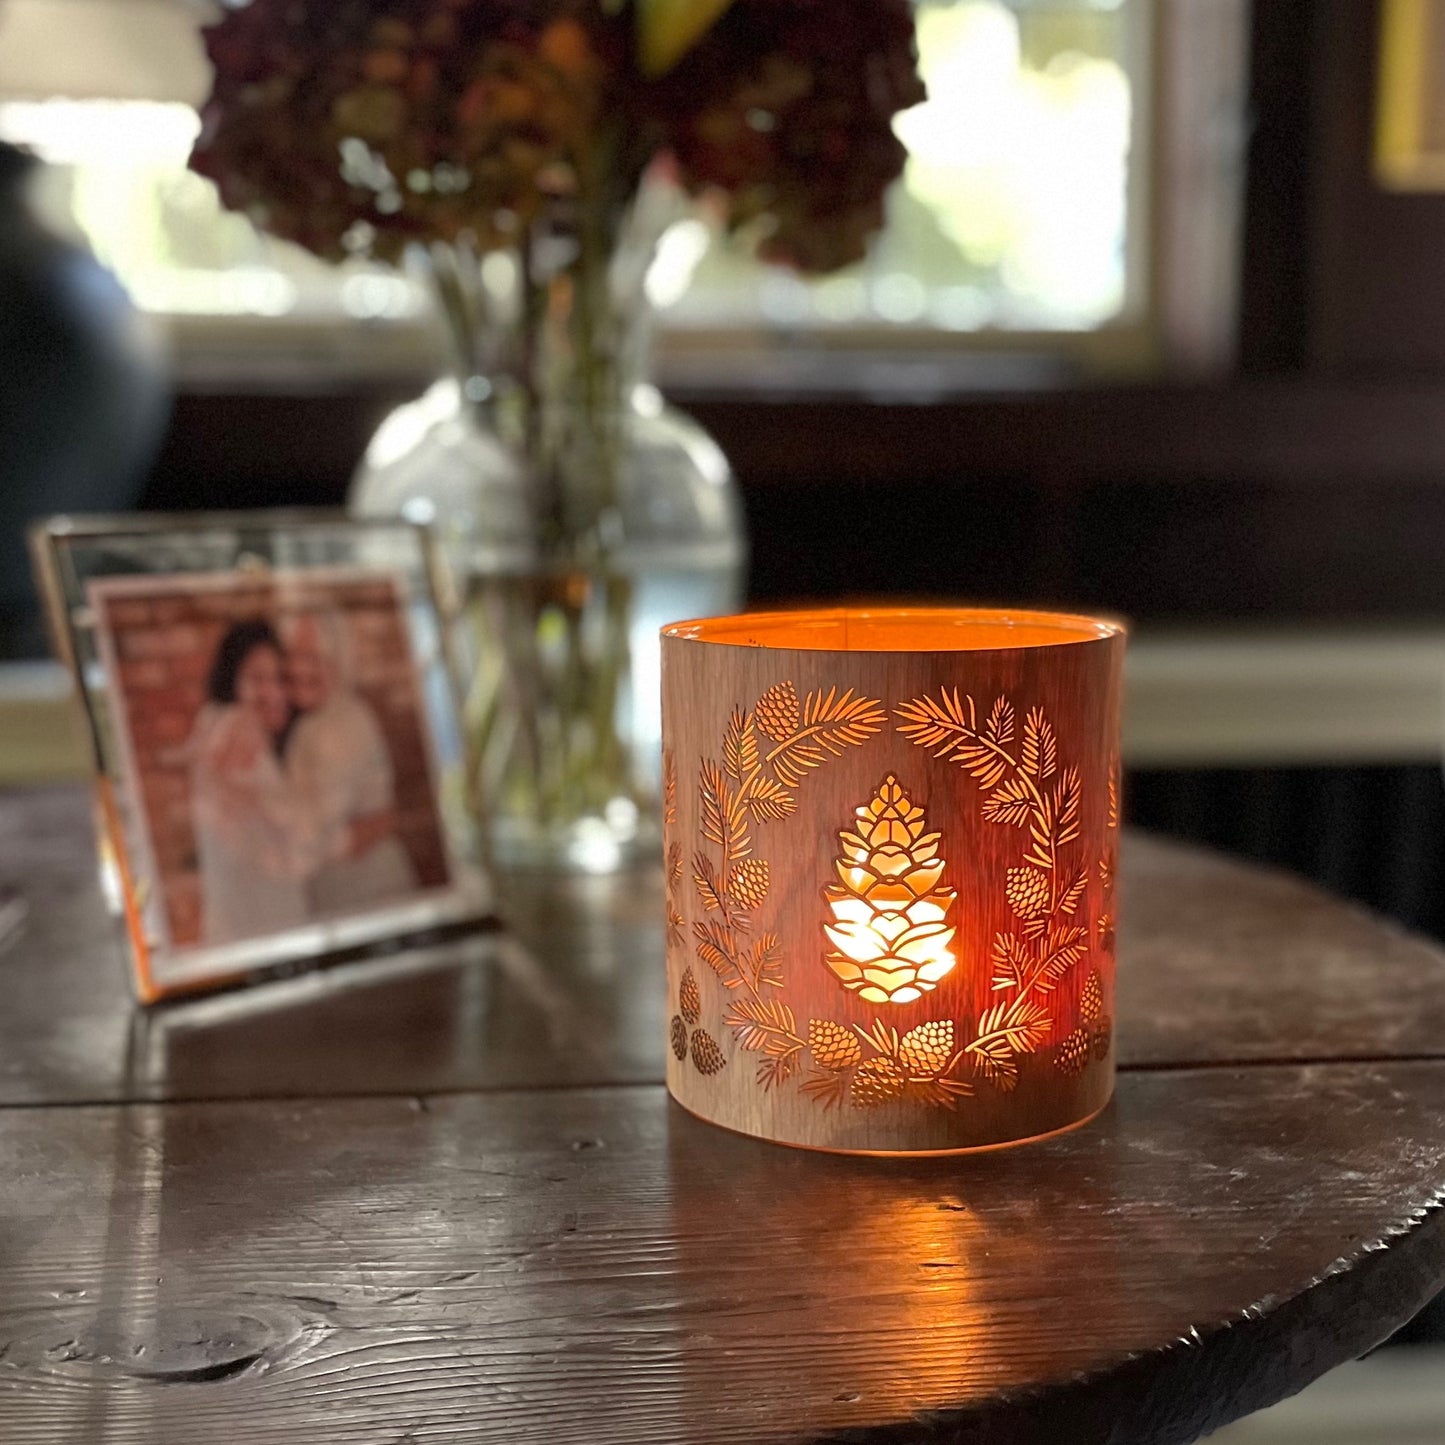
(279, 757)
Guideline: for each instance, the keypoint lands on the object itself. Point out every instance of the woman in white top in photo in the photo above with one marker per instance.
(340, 767)
(255, 842)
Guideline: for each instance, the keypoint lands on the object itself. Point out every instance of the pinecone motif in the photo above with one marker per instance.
(1028, 891)
(777, 712)
(876, 1082)
(689, 999)
(833, 1046)
(705, 1053)
(1074, 1052)
(748, 883)
(1091, 1001)
(889, 932)
(1103, 1038)
(928, 1048)
(679, 1037)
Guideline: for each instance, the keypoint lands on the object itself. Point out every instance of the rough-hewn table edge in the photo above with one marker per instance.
(1154, 1398)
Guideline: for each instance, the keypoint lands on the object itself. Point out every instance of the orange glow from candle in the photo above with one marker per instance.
(890, 938)
(891, 845)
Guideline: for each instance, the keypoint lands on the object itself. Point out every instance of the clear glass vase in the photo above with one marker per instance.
(581, 513)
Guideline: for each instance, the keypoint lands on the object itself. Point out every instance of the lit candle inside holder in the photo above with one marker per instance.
(891, 844)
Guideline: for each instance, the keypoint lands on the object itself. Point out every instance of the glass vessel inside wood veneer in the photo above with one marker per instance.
(897, 629)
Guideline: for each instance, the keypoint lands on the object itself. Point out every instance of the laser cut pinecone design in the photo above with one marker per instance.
(928, 1048)
(706, 1055)
(748, 883)
(833, 1046)
(1074, 1052)
(689, 999)
(876, 1082)
(889, 932)
(1028, 892)
(778, 713)
(1103, 1039)
(1091, 1001)
(678, 1034)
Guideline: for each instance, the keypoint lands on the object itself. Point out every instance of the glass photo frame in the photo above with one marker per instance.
(279, 757)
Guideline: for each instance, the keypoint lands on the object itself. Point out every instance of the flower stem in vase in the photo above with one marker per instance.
(517, 144)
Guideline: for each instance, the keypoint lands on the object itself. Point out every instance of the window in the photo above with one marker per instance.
(1024, 213)
(1016, 207)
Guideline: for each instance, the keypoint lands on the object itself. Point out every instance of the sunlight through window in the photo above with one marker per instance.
(1014, 213)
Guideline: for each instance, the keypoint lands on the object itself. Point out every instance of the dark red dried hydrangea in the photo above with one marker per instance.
(364, 124)
(356, 124)
(787, 107)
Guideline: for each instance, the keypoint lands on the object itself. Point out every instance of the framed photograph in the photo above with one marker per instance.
(278, 745)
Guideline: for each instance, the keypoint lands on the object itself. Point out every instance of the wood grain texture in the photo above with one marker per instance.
(1218, 962)
(574, 1001)
(1224, 961)
(592, 1265)
(595, 1267)
(812, 1048)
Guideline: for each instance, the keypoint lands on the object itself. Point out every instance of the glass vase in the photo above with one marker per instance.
(580, 514)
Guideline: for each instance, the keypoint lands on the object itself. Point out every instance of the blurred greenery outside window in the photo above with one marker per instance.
(1022, 221)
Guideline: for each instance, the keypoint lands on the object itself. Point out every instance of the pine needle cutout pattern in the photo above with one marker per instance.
(1025, 788)
(767, 752)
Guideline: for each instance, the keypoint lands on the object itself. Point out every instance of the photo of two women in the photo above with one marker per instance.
(297, 737)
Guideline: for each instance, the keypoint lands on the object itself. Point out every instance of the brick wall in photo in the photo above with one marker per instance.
(165, 646)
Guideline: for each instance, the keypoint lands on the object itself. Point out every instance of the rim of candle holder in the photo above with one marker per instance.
(917, 628)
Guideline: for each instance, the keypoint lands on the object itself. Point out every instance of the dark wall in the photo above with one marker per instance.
(1270, 497)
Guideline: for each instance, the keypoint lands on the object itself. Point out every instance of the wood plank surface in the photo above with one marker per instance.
(1218, 962)
(477, 1013)
(1226, 961)
(474, 1252)
(595, 1267)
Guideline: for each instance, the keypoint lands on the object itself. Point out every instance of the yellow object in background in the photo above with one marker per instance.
(1410, 96)
(668, 29)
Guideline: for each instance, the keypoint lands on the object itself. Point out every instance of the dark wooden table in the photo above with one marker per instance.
(444, 1197)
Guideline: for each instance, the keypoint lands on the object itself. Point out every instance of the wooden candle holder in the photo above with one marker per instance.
(890, 849)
